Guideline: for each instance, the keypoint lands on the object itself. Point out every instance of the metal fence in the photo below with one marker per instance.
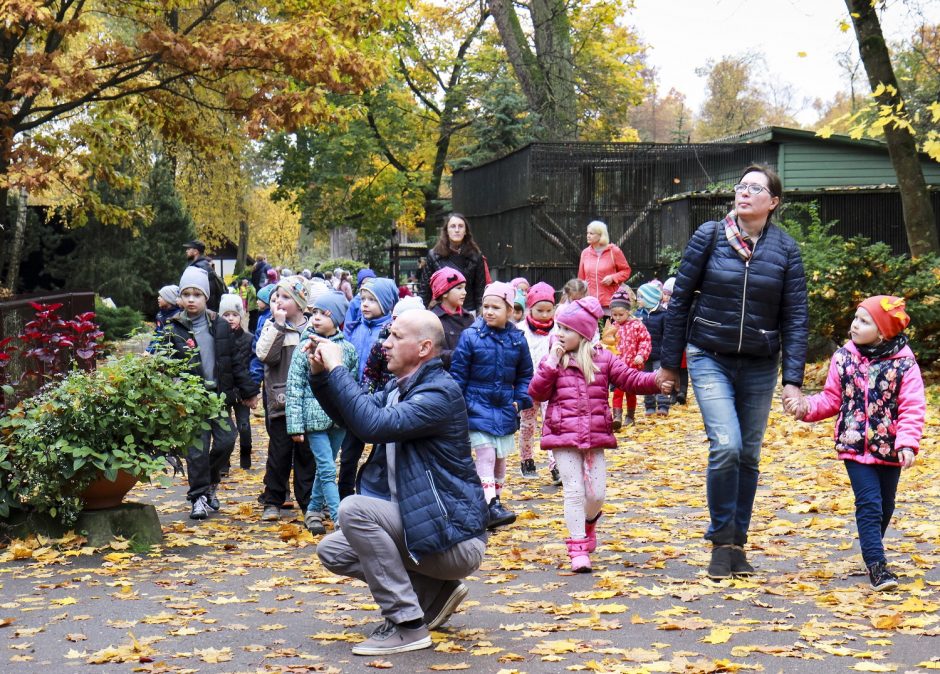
(528, 211)
(874, 213)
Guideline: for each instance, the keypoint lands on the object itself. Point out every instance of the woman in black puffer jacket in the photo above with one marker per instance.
(739, 302)
(456, 248)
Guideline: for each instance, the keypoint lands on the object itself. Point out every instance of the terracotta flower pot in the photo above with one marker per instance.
(103, 493)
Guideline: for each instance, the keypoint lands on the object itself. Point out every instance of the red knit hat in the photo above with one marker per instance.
(540, 292)
(887, 311)
(444, 280)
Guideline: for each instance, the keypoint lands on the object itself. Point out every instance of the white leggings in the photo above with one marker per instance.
(584, 476)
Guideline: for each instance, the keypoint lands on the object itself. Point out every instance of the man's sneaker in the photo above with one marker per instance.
(271, 513)
(200, 509)
(528, 469)
(244, 458)
(882, 579)
(720, 566)
(313, 520)
(739, 563)
(448, 599)
(391, 638)
(499, 516)
(212, 498)
(556, 476)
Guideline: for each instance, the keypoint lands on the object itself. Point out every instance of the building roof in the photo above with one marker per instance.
(771, 134)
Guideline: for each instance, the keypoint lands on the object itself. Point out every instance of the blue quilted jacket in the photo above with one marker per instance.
(493, 369)
(757, 309)
(439, 493)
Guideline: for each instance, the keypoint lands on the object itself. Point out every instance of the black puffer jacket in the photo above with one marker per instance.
(231, 371)
(469, 264)
(243, 353)
(751, 309)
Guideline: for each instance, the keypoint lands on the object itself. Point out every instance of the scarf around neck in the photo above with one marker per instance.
(736, 237)
(540, 327)
(884, 349)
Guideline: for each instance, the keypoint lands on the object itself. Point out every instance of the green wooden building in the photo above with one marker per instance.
(806, 161)
(529, 208)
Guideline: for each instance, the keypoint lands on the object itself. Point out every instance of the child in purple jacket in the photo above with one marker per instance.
(574, 379)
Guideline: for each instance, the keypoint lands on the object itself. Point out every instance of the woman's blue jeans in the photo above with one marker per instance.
(734, 394)
(325, 447)
(875, 487)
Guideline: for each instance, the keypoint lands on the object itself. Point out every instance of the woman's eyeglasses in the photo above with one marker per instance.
(752, 188)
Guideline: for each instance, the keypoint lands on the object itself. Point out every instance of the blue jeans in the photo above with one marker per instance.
(875, 487)
(734, 394)
(325, 447)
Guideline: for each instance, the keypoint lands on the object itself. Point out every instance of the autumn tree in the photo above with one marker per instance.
(734, 102)
(898, 131)
(578, 68)
(75, 73)
(662, 119)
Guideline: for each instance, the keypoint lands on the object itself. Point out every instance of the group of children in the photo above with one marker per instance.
(548, 360)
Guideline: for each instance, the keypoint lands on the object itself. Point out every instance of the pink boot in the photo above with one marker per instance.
(578, 552)
(590, 530)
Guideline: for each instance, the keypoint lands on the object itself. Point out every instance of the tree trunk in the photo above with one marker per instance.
(546, 76)
(19, 236)
(242, 255)
(902, 147)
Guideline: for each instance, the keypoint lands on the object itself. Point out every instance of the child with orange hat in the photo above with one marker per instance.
(875, 388)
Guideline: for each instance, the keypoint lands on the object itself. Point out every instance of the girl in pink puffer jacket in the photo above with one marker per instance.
(574, 379)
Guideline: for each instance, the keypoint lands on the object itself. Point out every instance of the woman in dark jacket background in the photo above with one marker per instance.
(739, 301)
(456, 248)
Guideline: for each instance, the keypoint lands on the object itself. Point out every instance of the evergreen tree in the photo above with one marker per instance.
(157, 251)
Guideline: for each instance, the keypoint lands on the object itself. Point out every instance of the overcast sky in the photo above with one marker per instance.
(684, 34)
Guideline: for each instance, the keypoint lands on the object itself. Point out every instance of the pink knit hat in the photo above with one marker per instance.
(518, 281)
(581, 316)
(503, 291)
(540, 292)
(443, 280)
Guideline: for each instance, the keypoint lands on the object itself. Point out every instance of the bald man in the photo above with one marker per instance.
(417, 525)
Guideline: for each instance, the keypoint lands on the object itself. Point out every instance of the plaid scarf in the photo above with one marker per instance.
(735, 238)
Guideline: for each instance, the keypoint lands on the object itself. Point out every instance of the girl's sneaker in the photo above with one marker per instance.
(618, 420)
(556, 477)
(882, 579)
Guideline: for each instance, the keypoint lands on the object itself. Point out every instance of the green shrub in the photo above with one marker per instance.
(129, 414)
(841, 273)
(119, 323)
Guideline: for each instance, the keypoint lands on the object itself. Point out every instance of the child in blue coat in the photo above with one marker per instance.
(377, 298)
(493, 367)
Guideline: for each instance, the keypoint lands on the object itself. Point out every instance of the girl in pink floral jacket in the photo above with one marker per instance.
(573, 378)
(875, 390)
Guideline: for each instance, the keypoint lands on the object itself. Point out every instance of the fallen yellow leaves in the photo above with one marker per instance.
(719, 635)
(213, 655)
(132, 652)
(456, 667)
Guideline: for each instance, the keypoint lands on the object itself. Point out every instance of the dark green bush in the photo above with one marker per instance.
(119, 323)
(841, 273)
